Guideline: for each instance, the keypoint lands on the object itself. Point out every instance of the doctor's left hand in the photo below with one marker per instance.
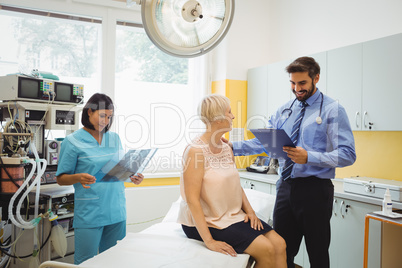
(137, 179)
(298, 154)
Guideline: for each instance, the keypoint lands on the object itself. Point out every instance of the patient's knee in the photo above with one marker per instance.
(280, 246)
(265, 256)
(278, 242)
(268, 249)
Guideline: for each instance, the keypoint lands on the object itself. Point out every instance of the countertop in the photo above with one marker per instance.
(338, 187)
(54, 190)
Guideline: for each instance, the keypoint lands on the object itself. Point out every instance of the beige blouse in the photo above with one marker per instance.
(221, 192)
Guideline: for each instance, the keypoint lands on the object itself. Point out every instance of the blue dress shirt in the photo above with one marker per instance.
(329, 144)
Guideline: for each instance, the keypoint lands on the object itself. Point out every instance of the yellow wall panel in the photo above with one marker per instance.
(378, 156)
(236, 91)
(155, 182)
(218, 87)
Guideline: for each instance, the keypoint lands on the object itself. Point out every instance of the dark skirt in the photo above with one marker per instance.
(239, 235)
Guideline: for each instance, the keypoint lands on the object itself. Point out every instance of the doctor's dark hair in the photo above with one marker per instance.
(304, 64)
(98, 101)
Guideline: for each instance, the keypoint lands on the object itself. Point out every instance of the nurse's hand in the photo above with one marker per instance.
(222, 247)
(86, 179)
(137, 179)
(298, 154)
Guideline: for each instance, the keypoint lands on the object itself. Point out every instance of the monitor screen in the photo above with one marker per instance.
(28, 88)
(63, 92)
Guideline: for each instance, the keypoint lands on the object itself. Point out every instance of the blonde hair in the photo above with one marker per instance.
(212, 108)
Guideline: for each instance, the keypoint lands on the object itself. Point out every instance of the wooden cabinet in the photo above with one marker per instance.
(347, 235)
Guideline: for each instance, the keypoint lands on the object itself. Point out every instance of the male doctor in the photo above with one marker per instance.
(320, 129)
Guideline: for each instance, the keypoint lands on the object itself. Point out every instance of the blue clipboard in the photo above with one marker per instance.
(273, 141)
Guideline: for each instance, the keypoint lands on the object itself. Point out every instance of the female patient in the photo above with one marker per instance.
(215, 208)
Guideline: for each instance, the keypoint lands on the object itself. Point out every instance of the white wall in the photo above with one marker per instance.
(266, 31)
(246, 44)
(263, 31)
(147, 205)
(299, 28)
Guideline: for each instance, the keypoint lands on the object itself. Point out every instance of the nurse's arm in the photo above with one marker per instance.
(70, 179)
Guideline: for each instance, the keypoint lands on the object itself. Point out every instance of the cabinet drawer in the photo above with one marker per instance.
(256, 185)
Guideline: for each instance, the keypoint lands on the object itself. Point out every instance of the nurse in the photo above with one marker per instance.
(99, 208)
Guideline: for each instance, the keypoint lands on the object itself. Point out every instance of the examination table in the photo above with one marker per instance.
(165, 245)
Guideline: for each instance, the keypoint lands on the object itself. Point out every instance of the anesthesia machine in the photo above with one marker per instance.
(31, 108)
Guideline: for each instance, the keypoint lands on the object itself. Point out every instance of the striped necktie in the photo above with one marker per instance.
(287, 168)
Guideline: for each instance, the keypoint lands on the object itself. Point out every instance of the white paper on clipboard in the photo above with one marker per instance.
(123, 165)
(273, 141)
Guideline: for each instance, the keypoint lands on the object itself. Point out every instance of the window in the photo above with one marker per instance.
(156, 95)
(66, 46)
(156, 98)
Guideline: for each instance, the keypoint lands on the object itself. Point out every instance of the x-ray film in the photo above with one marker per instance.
(123, 165)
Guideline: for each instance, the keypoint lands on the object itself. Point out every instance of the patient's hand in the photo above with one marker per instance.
(255, 222)
(221, 247)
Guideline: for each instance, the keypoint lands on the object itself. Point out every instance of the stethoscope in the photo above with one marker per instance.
(289, 111)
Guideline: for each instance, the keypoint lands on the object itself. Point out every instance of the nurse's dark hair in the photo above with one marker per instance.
(98, 101)
(304, 64)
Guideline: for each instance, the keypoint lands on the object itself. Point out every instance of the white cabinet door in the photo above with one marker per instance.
(257, 95)
(347, 235)
(279, 89)
(321, 59)
(363, 77)
(344, 81)
(256, 185)
(336, 226)
(382, 90)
